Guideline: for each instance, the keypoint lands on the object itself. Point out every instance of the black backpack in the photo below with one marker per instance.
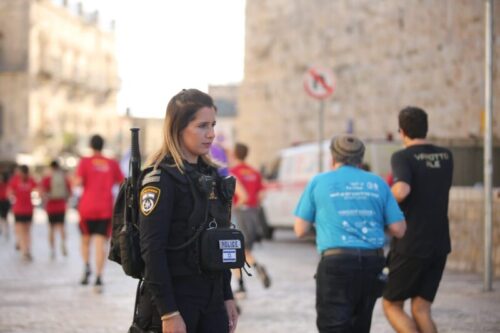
(125, 241)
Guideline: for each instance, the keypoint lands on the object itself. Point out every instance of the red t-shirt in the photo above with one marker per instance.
(98, 174)
(21, 189)
(54, 206)
(3, 191)
(251, 180)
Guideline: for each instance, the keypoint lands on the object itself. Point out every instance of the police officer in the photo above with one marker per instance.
(179, 192)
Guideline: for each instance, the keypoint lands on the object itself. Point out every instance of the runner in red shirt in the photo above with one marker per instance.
(4, 204)
(19, 189)
(97, 174)
(246, 205)
(56, 190)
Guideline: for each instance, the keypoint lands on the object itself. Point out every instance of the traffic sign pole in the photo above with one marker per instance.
(321, 128)
(319, 84)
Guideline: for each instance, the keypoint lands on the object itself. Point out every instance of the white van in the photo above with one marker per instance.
(296, 165)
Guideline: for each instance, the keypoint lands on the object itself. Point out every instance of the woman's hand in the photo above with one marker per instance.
(232, 314)
(174, 324)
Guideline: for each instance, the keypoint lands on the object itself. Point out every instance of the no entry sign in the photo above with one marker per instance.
(319, 82)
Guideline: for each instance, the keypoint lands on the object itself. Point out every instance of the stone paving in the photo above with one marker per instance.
(44, 296)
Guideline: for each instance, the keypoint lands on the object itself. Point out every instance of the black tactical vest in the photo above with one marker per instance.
(201, 196)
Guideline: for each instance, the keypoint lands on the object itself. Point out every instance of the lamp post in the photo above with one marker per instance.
(488, 150)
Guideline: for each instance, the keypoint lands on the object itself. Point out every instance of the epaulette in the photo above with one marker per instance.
(152, 176)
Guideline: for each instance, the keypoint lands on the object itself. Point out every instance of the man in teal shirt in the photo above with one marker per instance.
(350, 209)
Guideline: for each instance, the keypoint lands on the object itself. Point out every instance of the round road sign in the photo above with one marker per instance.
(319, 82)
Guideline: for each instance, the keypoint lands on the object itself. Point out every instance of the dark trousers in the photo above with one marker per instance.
(347, 287)
(199, 300)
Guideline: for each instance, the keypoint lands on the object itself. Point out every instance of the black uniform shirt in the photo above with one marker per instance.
(428, 170)
(166, 204)
(156, 200)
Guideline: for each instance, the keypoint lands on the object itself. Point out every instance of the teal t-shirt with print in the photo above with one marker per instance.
(349, 208)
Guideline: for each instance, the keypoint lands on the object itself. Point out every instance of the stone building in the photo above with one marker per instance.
(58, 80)
(385, 55)
(226, 99)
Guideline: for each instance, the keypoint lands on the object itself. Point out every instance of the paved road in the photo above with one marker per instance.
(44, 296)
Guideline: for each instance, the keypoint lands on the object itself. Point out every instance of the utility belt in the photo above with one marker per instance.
(353, 252)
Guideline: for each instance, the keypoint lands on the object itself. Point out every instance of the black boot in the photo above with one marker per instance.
(86, 275)
(98, 285)
(263, 276)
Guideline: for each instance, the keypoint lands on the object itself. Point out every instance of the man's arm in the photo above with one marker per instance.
(400, 191)
(76, 181)
(301, 227)
(397, 229)
(241, 193)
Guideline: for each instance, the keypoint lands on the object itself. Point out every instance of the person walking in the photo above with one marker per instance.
(56, 190)
(19, 190)
(349, 208)
(422, 175)
(97, 175)
(180, 192)
(4, 205)
(246, 205)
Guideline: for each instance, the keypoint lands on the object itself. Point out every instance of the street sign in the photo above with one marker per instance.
(319, 82)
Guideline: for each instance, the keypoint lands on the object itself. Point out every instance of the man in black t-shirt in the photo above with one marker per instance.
(422, 180)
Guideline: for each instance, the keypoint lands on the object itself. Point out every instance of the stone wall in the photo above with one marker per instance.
(385, 54)
(466, 214)
(58, 81)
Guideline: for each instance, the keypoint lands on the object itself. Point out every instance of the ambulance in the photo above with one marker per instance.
(295, 166)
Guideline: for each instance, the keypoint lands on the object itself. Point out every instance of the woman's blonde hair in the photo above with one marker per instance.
(181, 110)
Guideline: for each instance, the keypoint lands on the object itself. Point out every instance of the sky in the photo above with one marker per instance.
(164, 46)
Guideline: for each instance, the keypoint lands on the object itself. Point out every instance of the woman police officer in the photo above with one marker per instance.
(178, 295)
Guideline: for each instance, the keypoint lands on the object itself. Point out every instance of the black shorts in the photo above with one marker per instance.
(410, 277)
(23, 218)
(4, 208)
(96, 227)
(57, 218)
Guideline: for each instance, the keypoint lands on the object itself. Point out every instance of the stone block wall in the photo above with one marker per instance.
(466, 214)
(385, 55)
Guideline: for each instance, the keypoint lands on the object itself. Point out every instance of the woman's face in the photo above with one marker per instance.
(199, 134)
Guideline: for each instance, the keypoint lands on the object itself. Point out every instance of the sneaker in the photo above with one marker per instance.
(27, 257)
(64, 251)
(241, 289)
(263, 276)
(241, 292)
(86, 274)
(98, 285)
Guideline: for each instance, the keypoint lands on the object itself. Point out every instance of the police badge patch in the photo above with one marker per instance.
(149, 198)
